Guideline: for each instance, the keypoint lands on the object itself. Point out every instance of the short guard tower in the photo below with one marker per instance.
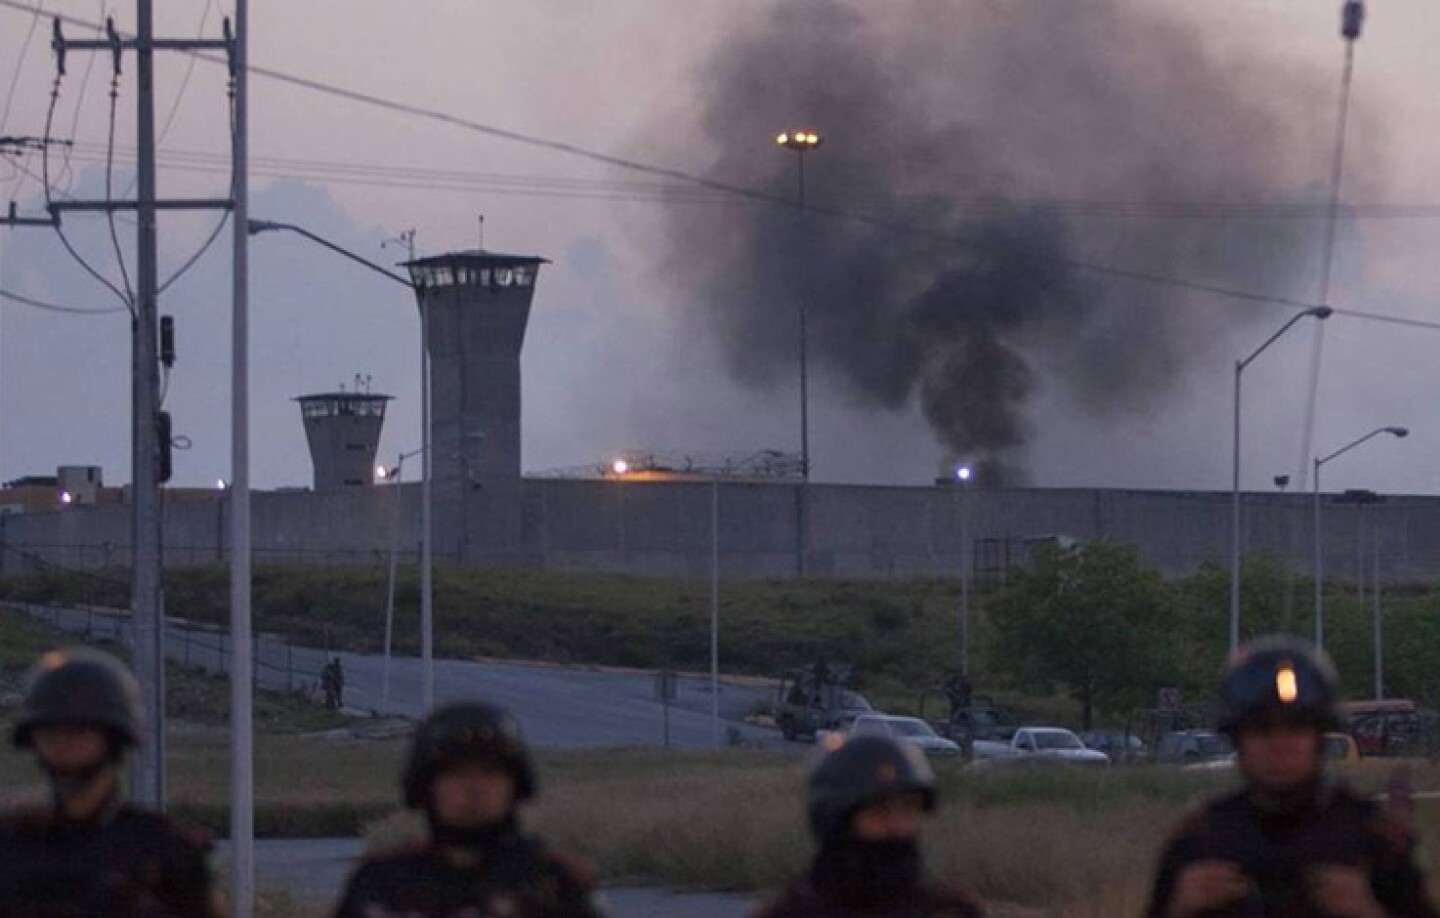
(474, 306)
(344, 433)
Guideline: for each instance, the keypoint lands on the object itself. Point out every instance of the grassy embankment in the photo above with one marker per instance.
(899, 634)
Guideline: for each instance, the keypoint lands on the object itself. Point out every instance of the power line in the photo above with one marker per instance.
(56, 307)
(66, 175)
(45, 181)
(19, 65)
(697, 181)
(109, 176)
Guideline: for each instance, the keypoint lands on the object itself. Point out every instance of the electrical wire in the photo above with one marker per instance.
(67, 176)
(751, 194)
(15, 82)
(109, 177)
(45, 182)
(38, 10)
(1317, 349)
(224, 217)
(56, 307)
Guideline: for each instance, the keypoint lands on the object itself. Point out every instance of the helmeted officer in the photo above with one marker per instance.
(1293, 841)
(89, 853)
(468, 770)
(867, 800)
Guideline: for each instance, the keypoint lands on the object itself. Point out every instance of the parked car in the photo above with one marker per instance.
(1195, 748)
(1036, 745)
(1122, 747)
(906, 729)
(1341, 748)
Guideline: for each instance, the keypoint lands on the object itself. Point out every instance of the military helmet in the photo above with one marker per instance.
(1279, 677)
(861, 771)
(82, 687)
(466, 732)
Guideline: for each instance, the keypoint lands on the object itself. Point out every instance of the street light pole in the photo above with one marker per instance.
(1318, 312)
(801, 142)
(715, 610)
(427, 593)
(1398, 433)
(962, 478)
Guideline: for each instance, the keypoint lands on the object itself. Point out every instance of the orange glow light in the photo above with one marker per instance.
(1285, 684)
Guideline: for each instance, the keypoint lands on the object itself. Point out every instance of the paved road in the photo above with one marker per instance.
(313, 870)
(557, 707)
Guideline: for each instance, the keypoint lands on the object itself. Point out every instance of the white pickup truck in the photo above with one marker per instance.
(1036, 745)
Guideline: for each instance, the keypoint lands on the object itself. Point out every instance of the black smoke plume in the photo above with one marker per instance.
(991, 145)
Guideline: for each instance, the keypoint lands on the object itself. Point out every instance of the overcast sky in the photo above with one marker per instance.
(614, 359)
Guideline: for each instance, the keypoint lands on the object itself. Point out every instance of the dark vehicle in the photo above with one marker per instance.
(1194, 748)
(1122, 747)
(807, 704)
(1389, 727)
(981, 721)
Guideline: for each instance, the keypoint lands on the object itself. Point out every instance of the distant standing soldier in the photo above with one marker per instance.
(469, 770)
(339, 681)
(866, 802)
(1291, 842)
(87, 852)
(959, 691)
(332, 680)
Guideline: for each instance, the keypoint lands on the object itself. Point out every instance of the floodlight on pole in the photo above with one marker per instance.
(963, 474)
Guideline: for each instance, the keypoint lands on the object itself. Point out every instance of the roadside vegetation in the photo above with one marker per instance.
(1081, 629)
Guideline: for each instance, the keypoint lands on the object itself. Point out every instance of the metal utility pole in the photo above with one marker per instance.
(148, 775)
(242, 742)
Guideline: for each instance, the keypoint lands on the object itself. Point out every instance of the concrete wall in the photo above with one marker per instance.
(664, 528)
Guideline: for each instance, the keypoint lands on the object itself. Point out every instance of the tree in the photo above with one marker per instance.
(1088, 618)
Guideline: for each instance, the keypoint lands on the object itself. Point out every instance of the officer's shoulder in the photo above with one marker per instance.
(1199, 817)
(787, 902)
(397, 855)
(957, 899)
(1377, 818)
(177, 833)
(26, 819)
(573, 867)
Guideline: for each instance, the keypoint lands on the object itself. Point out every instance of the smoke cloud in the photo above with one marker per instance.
(990, 145)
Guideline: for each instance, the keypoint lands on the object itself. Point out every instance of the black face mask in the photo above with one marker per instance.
(479, 839)
(66, 783)
(859, 871)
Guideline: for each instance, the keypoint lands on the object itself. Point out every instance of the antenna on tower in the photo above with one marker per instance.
(482, 232)
(405, 239)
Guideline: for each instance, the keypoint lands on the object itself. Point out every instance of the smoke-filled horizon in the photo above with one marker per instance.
(944, 117)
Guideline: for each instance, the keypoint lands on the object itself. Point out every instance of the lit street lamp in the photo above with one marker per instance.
(801, 141)
(1398, 432)
(962, 478)
(1318, 312)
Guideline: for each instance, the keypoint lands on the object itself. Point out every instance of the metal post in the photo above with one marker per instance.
(1319, 563)
(715, 610)
(390, 586)
(242, 752)
(147, 779)
(1379, 617)
(964, 581)
(1235, 521)
(802, 535)
(427, 538)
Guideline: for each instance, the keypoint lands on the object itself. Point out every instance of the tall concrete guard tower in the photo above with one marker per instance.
(344, 433)
(475, 306)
